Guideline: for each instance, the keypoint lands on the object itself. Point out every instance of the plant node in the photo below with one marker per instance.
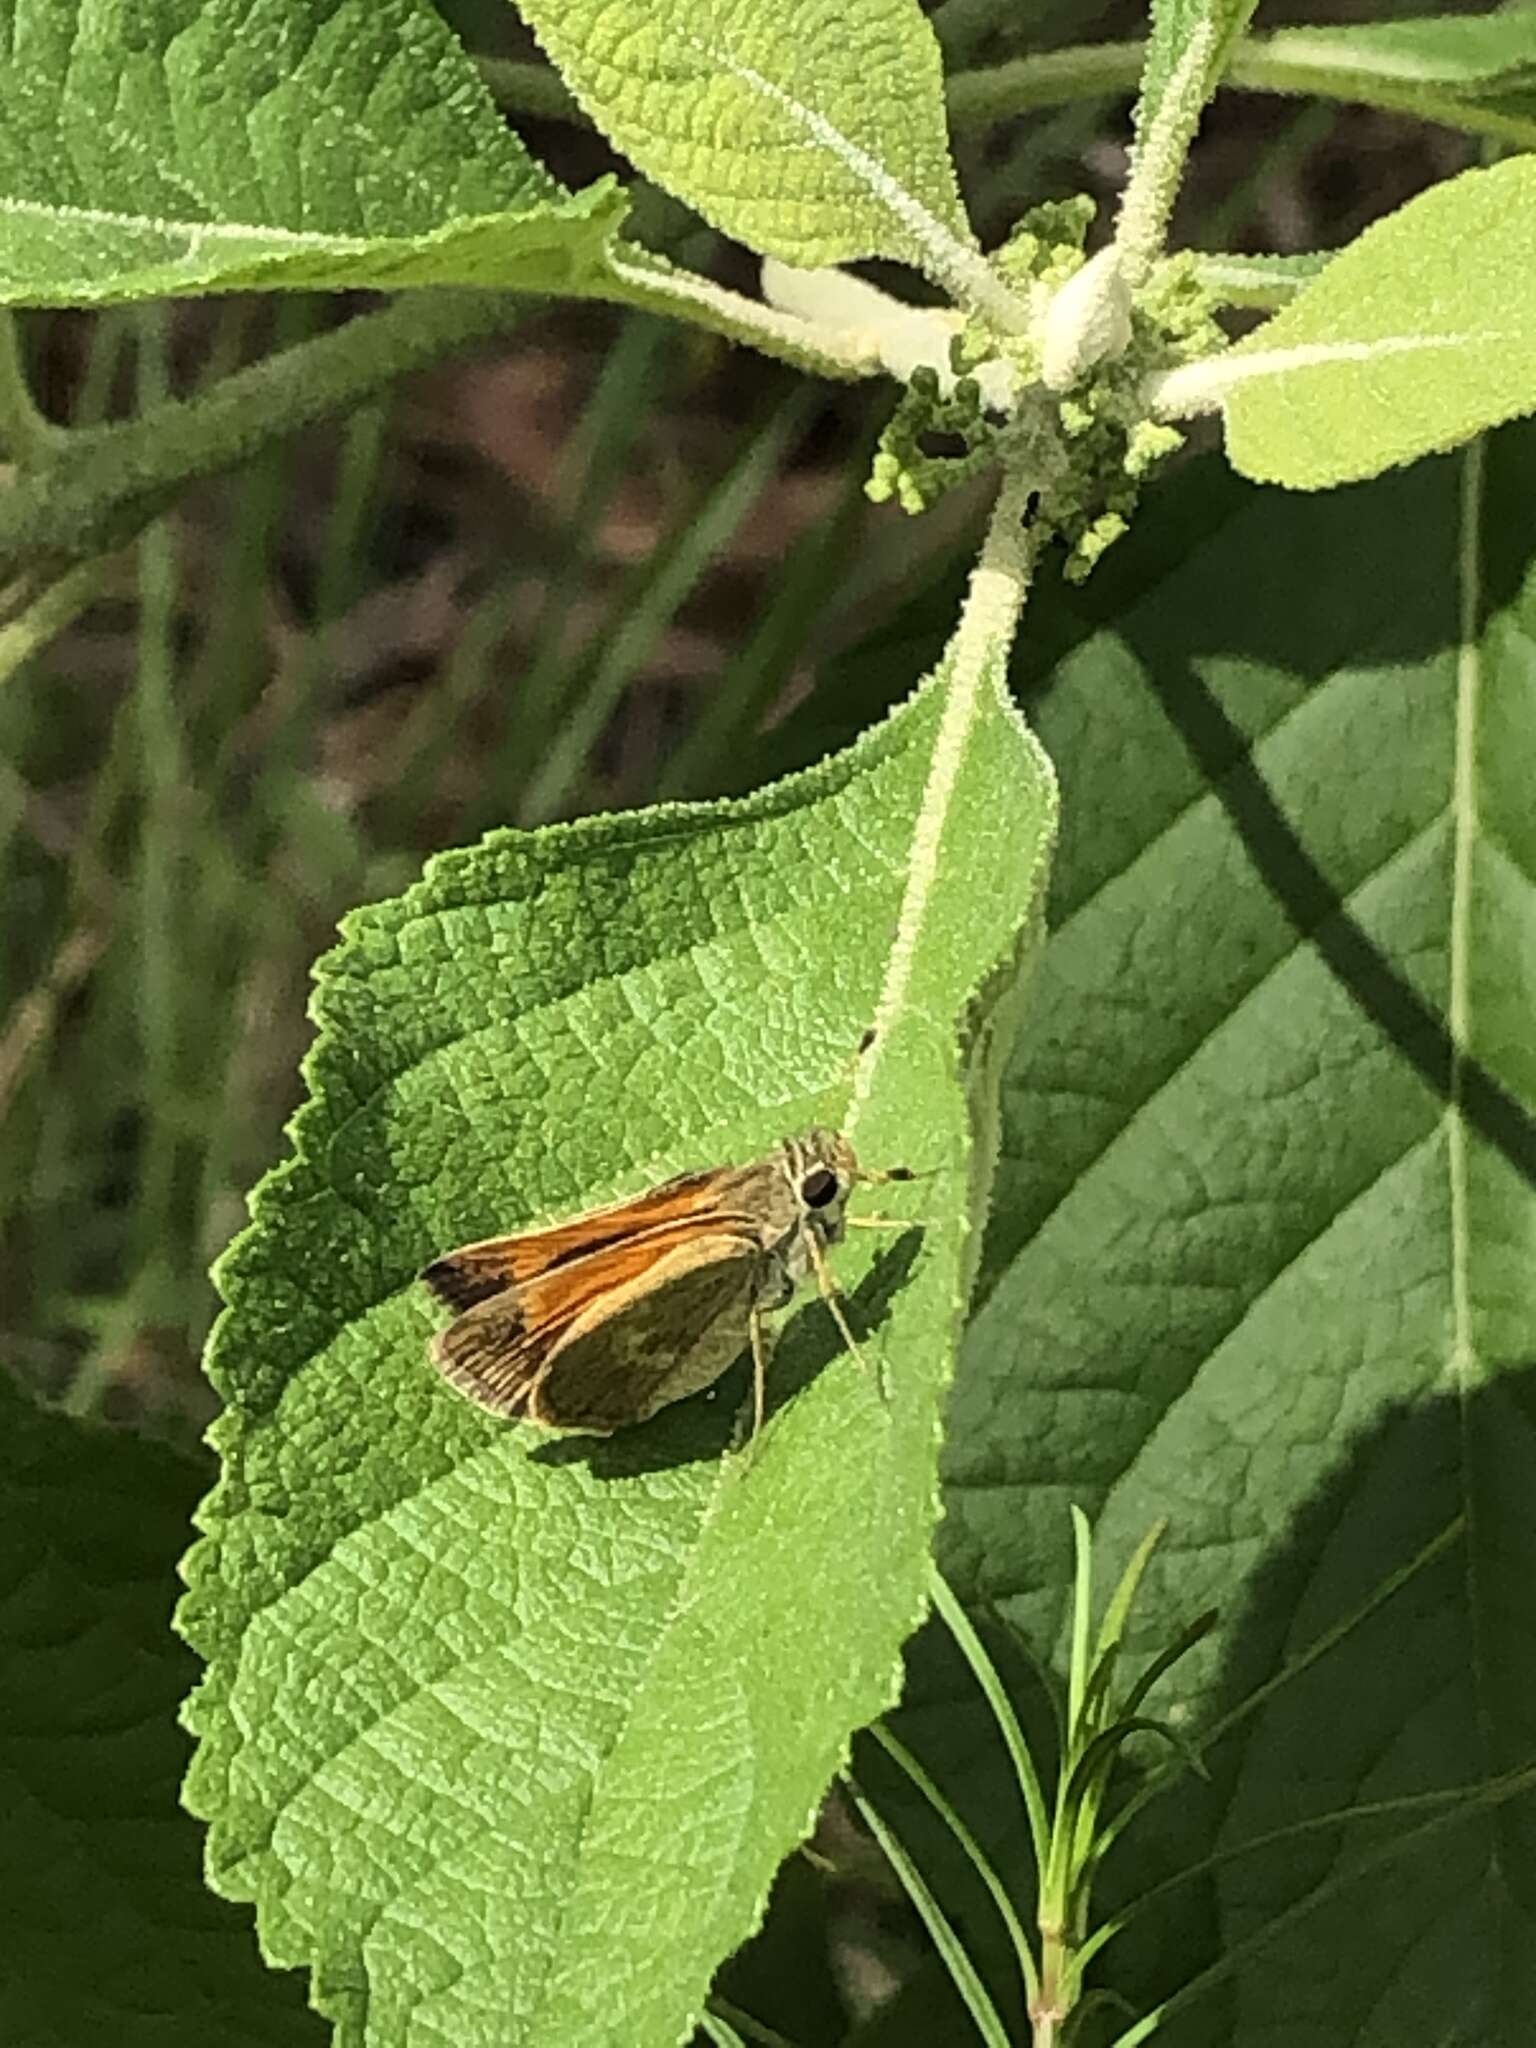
(1070, 408)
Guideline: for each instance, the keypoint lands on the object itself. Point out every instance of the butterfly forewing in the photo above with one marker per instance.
(475, 1272)
(500, 1344)
(490, 1355)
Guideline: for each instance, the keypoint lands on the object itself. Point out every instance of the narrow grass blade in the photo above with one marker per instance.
(1113, 1625)
(551, 787)
(975, 1854)
(967, 1979)
(720, 2031)
(1082, 1606)
(1165, 1660)
(958, 1622)
(740, 2027)
(1291, 1669)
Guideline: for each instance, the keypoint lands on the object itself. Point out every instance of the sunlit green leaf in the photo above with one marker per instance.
(812, 130)
(507, 1742)
(1416, 337)
(186, 146)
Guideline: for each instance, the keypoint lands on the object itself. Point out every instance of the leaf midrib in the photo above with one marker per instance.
(974, 670)
(1466, 1368)
(212, 231)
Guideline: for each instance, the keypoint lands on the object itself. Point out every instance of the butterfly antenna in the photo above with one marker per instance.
(876, 1176)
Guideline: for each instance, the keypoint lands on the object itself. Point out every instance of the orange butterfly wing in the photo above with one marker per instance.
(669, 1334)
(477, 1271)
(498, 1346)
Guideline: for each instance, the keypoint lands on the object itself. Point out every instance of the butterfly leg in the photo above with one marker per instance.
(876, 1176)
(832, 1295)
(759, 1336)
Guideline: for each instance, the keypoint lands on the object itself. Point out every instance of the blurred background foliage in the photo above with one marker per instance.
(605, 562)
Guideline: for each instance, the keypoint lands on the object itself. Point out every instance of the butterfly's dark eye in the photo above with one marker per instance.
(818, 1188)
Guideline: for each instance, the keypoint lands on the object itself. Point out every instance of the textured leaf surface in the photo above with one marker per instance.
(812, 130)
(1263, 1258)
(108, 1933)
(1417, 336)
(197, 145)
(507, 1741)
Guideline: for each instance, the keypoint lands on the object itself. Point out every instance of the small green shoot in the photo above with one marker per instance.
(1069, 1831)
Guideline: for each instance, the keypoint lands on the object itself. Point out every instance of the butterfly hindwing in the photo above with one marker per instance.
(491, 1355)
(672, 1331)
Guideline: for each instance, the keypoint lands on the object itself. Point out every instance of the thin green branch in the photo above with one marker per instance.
(160, 878)
(98, 489)
(1054, 78)
(1283, 64)
(25, 435)
(1095, 71)
(634, 277)
(47, 608)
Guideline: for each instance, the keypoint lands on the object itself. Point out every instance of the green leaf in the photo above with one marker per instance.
(214, 145)
(1416, 337)
(1464, 53)
(1187, 52)
(812, 130)
(1260, 1254)
(506, 1741)
(1266, 282)
(108, 1932)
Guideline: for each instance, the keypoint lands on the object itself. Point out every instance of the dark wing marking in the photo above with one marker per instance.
(491, 1355)
(672, 1331)
(474, 1274)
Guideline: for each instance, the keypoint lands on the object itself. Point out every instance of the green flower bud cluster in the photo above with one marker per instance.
(1094, 443)
(932, 442)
